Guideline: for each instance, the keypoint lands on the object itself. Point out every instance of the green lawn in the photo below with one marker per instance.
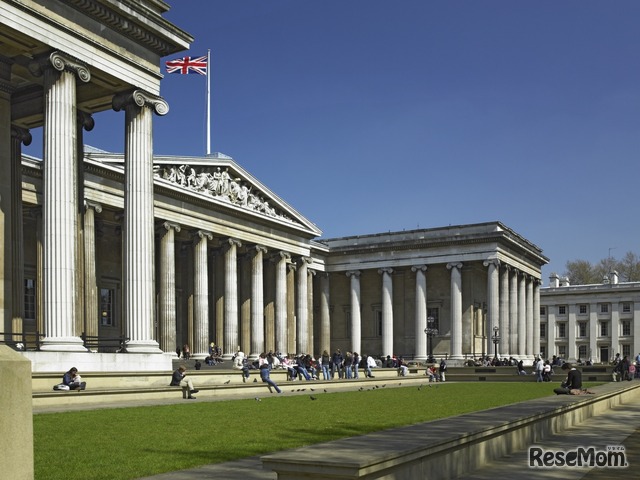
(129, 443)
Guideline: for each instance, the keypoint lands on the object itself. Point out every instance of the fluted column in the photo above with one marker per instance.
(230, 298)
(281, 301)
(60, 200)
(10, 167)
(19, 136)
(522, 316)
(513, 312)
(493, 298)
(257, 302)
(200, 348)
(504, 311)
(167, 301)
(311, 319)
(302, 306)
(387, 311)
(325, 314)
(356, 320)
(421, 312)
(529, 319)
(536, 317)
(456, 310)
(91, 304)
(138, 219)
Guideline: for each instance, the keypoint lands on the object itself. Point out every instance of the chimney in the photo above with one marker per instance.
(564, 282)
(614, 277)
(554, 280)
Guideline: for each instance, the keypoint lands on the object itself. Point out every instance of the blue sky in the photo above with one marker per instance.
(377, 115)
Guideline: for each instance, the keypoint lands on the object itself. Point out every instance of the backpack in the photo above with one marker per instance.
(61, 387)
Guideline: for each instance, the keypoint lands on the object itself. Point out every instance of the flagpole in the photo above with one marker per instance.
(208, 102)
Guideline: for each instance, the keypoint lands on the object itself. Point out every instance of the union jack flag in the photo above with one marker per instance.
(188, 65)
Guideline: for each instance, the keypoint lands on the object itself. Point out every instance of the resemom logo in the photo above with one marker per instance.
(610, 457)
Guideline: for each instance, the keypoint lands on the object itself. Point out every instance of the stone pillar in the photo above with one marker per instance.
(10, 167)
(37, 215)
(257, 302)
(513, 313)
(230, 299)
(281, 302)
(325, 314)
(200, 347)
(167, 301)
(310, 309)
(139, 291)
(421, 312)
(291, 308)
(19, 136)
(536, 317)
(493, 301)
(91, 303)
(504, 312)
(529, 319)
(522, 316)
(356, 319)
(60, 199)
(456, 310)
(303, 307)
(387, 311)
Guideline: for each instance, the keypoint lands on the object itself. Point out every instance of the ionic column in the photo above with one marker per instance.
(138, 255)
(522, 316)
(325, 317)
(311, 339)
(505, 328)
(536, 317)
(13, 191)
(167, 301)
(387, 311)
(281, 301)
(493, 297)
(10, 196)
(356, 320)
(529, 319)
(456, 310)
(257, 302)
(200, 347)
(230, 299)
(513, 312)
(91, 304)
(302, 310)
(421, 312)
(60, 199)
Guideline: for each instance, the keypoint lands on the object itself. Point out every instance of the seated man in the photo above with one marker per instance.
(72, 380)
(573, 383)
(178, 380)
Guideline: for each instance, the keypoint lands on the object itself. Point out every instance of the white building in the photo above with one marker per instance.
(590, 321)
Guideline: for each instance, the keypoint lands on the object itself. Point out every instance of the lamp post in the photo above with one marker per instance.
(431, 332)
(496, 339)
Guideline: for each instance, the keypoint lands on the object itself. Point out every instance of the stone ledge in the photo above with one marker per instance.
(445, 448)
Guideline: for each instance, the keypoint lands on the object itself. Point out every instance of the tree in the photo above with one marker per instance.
(581, 272)
(629, 267)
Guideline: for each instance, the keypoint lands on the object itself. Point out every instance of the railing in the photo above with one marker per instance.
(105, 344)
(27, 341)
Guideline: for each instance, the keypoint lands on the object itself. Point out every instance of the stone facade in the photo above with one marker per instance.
(590, 322)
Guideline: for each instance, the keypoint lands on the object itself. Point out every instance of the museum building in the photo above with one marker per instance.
(153, 252)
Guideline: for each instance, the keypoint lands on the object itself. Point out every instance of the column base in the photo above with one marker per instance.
(62, 344)
(142, 346)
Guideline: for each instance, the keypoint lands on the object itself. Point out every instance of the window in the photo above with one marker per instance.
(626, 307)
(543, 351)
(562, 351)
(347, 320)
(604, 308)
(543, 311)
(604, 329)
(29, 299)
(582, 352)
(543, 330)
(626, 350)
(582, 329)
(562, 310)
(582, 309)
(562, 330)
(378, 322)
(626, 329)
(107, 299)
(435, 313)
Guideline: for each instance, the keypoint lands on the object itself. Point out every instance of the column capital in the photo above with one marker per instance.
(491, 261)
(230, 241)
(260, 248)
(453, 265)
(385, 270)
(85, 120)
(421, 268)
(305, 260)
(140, 98)
(97, 207)
(21, 134)
(167, 225)
(61, 62)
(204, 234)
(353, 273)
(277, 257)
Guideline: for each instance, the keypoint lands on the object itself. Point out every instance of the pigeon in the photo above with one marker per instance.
(227, 382)
(312, 389)
(361, 389)
(258, 399)
(325, 390)
(384, 385)
(312, 397)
